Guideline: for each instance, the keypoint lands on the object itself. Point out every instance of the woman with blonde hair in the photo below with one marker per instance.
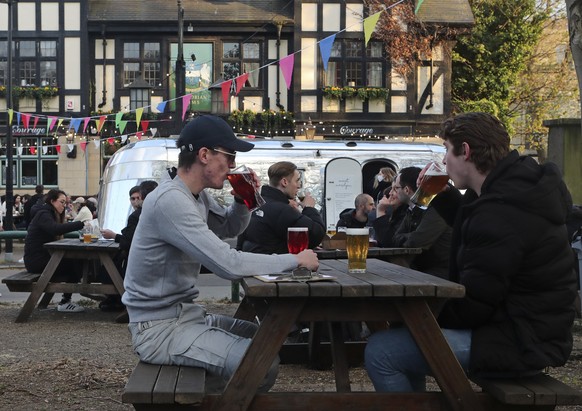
(382, 181)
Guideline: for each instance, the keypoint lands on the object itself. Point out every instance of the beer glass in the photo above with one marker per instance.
(357, 243)
(241, 181)
(297, 239)
(432, 183)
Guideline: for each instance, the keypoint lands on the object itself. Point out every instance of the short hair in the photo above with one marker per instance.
(39, 189)
(280, 170)
(408, 177)
(53, 195)
(484, 133)
(362, 199)
(133, 190)
(147, 187)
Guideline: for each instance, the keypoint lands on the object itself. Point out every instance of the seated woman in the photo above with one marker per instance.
(48, 225)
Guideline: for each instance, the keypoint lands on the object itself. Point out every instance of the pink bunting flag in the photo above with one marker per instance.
(185, 104)
(139, 134)
(85, 123)
(58, 148)
(83, 145)
(225, 86)
(286, 64)
(145, 124)
(100, 123)
(51, 122)
(35, 121)
(32, 150)
(241, 81)
(111, 141)
(25, 119)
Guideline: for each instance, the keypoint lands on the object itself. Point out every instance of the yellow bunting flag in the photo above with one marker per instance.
(138, 114)
(10, 114)
(369, 26)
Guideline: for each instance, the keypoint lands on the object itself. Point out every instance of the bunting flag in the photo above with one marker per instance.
(325, 46)
(32, 150)
(19, 150)
(111, 141)
(83, 145)
(370, 25)
(100, 123)
(96, 143)
(70, 147)
(139, 134)
(10, 114)
(44, 150)
(161, 106)
(35, 121)
(118, 118)
(225, 86)
(25, 120)
(286, 64)
(185, 104)
(85, 123)
(58, 148)
(60, 122)
(240, 82)
(153, 131)
(76, 123)
(418, 6)
(138, 114)
(17, 118)
(51, 121)
(122, 125)
(145, 124)
(123, 138)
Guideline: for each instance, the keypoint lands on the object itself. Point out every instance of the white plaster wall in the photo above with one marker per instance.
(354, 17)
(73, 65)
(26, 16)
(309, 63)
(72, 16)
(308, 104)
(49, 16)
(331, 22)
(309, 17)
(109, 86)
(398, 104)
(438, 91)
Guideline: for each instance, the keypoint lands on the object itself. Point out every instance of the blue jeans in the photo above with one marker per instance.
(395, 364)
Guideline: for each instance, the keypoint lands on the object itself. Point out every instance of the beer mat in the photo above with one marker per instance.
(288, 277)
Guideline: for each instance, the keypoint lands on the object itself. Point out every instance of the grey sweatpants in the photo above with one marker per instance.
(214, 342)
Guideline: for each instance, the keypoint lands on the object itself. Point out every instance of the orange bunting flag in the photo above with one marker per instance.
(100, 123)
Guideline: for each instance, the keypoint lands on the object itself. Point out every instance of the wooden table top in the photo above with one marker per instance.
(373, 252)
(77, 245)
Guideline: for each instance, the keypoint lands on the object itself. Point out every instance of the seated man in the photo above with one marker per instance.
(267, 230)
(357, 217)
(422, 228)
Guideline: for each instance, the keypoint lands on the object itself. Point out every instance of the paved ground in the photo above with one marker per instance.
(211, 286)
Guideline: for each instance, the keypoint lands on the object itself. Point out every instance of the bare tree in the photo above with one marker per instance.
(574, 9)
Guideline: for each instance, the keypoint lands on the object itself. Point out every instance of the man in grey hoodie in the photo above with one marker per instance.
(179, 230)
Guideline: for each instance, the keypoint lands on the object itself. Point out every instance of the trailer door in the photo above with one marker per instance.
(343, 182)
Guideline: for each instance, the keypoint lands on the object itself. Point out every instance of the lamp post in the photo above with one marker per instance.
(9, 170)
(180, 70)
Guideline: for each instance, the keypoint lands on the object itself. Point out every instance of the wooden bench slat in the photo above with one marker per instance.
(165, 385)
(565, 394)
(140, 385)
(21, 281)
(190, 385)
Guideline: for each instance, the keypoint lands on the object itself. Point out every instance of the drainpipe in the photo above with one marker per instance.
(279, 25)
(430, 96)
(104, 91)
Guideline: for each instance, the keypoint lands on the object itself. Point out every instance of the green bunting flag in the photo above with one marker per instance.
(418, 6)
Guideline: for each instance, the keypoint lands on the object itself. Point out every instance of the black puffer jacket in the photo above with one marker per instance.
(267, 230)
(43, 229)
(510, 250)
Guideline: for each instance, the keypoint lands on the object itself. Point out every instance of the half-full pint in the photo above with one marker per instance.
(242, 182)
(433, 181)
(357, 242)
(297, 239)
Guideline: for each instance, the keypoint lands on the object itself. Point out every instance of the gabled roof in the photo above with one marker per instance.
(448, 12)
(248, 11)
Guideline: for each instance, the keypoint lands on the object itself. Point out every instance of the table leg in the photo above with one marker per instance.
(265, 345)
(111, 269)
(245, 311)
(437, 352)
(340, 357)
(40, 286)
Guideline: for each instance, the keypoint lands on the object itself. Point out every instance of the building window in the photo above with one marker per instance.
(355, 65)
(239, 58)
(141, 58)
(34, 63)
(34, 162)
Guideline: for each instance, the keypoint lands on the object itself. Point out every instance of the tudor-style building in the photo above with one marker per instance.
(98, 52)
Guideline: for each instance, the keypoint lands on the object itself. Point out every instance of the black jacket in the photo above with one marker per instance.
(385, 227)
(44, 228)
(511, 252)
(348, 219)
(267, 230)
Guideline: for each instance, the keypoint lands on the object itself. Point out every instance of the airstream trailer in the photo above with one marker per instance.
(334, 172)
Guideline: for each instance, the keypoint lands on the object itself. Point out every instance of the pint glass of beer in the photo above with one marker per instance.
(242, 182)
(297, 239)
(357, 247)
(433, 181)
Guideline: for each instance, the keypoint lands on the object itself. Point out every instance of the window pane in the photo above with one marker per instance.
(3, 72)
(49, 143)
(49, 173)
(253, 70)
(27, 73)
(3, 171)
(336, 49)
(131, 50)
(353, 49)
(230, 50)
(354, 73)
(27, 49)
(3, 49)
(151, 51)
(375, 74)
(48, 48)
(251, 51)
(374, 49)
(231, 70)
(29, 172)
(130, 73)
(332, 74)
(151, 73)
(48, 73)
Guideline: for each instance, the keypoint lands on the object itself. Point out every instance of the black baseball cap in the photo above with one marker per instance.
(210, 132)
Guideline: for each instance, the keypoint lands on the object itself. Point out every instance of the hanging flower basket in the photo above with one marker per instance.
(332, 92)
(38, 93)
(373, 93)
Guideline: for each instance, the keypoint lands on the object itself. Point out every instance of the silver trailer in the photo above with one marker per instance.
(334, 172)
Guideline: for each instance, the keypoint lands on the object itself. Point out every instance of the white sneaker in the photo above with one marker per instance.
(70, 307)
(21, 261)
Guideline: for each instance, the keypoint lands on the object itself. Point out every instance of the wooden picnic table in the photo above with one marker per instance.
(102, 251)
(386, 292)
(397, 255)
